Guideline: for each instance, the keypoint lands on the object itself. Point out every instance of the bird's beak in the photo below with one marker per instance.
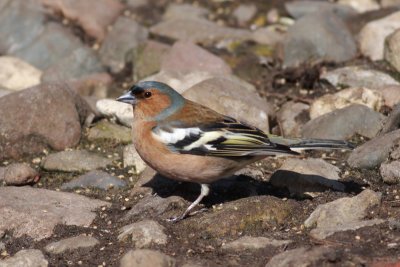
(127, 98)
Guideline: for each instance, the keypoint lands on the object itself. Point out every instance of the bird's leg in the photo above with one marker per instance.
(205, 190)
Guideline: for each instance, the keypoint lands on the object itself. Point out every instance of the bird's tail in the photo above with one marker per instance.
(298, 144)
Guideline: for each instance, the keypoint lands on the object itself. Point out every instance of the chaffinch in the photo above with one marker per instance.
(186, 141)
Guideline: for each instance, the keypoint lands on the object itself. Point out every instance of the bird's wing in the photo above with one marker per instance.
(225, 137)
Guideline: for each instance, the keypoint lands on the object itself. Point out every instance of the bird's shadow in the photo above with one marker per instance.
(242, 186)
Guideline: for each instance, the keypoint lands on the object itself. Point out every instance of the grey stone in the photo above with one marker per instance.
(390, 172)
(371, 154)
(93, 20)
(372, 36)
(71, 243)
(361, 5)
(187, 57)
(307, 177)
(105, 130)
(114, 109)
(154, 206)
(143, 234)
(292, 116)
(298, 9)
(19, 174)
(74, 161)
(198, 31)
(244, 12)
(4, 92)
(35, 212)
(16, 74)
(358, 76)
(51, 118)
(272, 35)
(392, 49)
(125, 36)
(303, 45)
(392, 121)
(136, 3)
(22, 21)
(229, 99)
(316, 256)
(55, 43)
(97, 179)
(79, 63)
(26, 258)
(253, 243)
(147, 59)
(182, 11)
(132, 158)
(146, 258)
(344, 123)
(343, 214)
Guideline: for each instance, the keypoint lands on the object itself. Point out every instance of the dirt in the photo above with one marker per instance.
(354, 248)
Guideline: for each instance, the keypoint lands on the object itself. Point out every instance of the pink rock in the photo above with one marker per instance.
(185, 56)
(93, 15)
(19, 174)
(391, 94)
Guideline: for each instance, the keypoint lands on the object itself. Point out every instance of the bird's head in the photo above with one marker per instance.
(153, 100)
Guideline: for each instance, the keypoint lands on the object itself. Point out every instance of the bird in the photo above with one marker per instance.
(186, 141)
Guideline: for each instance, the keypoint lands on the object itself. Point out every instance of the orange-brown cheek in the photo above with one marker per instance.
(153, 106)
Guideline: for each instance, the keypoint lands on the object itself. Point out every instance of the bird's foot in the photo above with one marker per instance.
(184, 215)
(198, 211)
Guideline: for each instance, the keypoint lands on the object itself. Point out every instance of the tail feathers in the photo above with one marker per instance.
(320, 144)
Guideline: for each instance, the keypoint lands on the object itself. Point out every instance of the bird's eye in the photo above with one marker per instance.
(147, 94)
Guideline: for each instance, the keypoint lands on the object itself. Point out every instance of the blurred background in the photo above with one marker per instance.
(313, 69)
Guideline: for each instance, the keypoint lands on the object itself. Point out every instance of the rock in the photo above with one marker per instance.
(93, 20)
(143, 234)
(35, 212)
(79, 64)
(26, 258)
(298, 9)
(253, 243)
(22, 22)
(51, 117)
(392, 121)
(187, 57)
(361, 5)
(389, 3)
(132, 158)
(358, 76)
(71, 243)
(52, 45)
(4, 92)
(292, 116)
(147, 59)
(390, 94)
(114, 109)
(244, 13)
(19, 174)
(372, 36)
(184, 11)
(317, 256)
(146, 258)
(344, 98)
(343, 123)
(392, 49)
(241, 216)
(307, 177)
(125, 36)
(183, 81)
(94, 85)
(303, 45)
(229, 99)
(154, 206)
(272, 35)
(105, 130)
(96, 179)
(198, 31)
(372, 153)
(343, 214)
(16, 74)
(390, 172)
(74, 161)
